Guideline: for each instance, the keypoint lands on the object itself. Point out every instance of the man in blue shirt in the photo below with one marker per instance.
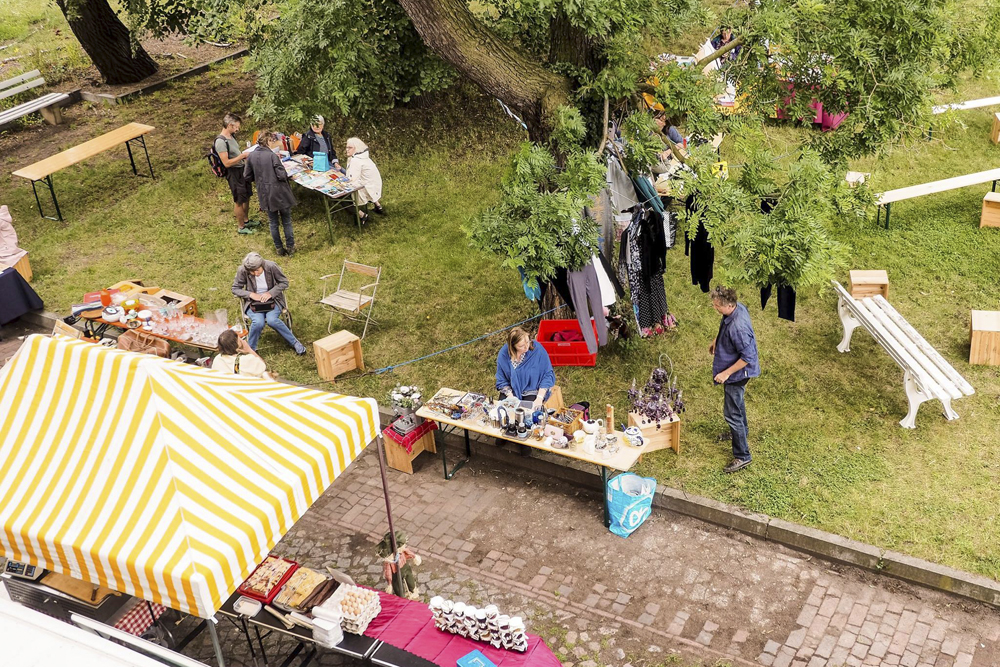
(735, 362)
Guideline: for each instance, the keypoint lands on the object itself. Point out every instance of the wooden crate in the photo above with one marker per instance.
(984, 338)
(990, 216)
(23, 266)
(337, 354)
(186, 304)
(869, 283)
(668, 436)
(398, 459)
(995, 130)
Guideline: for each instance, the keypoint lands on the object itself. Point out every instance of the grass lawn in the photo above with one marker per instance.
(828, 449)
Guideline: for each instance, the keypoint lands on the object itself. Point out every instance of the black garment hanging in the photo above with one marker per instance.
(701, 251)
(561, 283)
(649, 298)
(786, 300)
(612, 275)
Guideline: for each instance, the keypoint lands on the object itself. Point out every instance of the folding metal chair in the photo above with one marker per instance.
(352, 304)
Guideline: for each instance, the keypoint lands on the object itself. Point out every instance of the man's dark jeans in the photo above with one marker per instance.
(735, 412)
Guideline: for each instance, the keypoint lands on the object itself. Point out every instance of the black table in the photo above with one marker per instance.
(358, 647)
(16, 296)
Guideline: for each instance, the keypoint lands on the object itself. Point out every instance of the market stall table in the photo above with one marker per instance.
(16, 296)
(43, 169)
(408, 626)
(357, 647)
(96, 326)
(620, 461)
(331, 184)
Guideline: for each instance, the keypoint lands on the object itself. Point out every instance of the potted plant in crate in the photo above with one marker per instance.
(405, 400)
(655, 410)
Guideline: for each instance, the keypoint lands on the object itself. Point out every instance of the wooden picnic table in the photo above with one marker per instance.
(44, 169)
(621, 461)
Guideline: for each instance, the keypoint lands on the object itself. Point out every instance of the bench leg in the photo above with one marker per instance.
(850, 324)
(915, 397)
(52, 115)
(949, 413)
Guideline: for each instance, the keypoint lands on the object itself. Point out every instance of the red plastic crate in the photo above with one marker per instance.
(565, 353)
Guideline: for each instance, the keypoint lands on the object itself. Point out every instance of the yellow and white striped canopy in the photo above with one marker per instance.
(159, 479)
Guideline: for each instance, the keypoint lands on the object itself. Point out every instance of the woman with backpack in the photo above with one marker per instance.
(275, 194)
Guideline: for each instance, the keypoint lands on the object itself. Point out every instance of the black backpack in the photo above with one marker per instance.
(215, 162)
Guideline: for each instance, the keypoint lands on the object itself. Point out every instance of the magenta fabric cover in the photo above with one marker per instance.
(408, 625)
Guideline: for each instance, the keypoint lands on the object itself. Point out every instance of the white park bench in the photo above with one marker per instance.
(926, 375)
(887, 198)
(46, 104)
(971, 104)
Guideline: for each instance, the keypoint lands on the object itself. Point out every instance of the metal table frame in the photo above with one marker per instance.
(607, 474)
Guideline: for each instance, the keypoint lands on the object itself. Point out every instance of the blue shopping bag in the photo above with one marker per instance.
(321, 162)
(630, 502)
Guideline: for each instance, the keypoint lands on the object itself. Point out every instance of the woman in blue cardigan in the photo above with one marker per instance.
(524, 369)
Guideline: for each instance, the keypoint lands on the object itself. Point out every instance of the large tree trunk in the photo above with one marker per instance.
(570, 44)
(106, 40)
(452, 32)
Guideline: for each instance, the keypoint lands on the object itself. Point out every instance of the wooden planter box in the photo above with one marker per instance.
(668, 436)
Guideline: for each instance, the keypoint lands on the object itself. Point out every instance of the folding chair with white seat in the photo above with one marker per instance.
(352, 304)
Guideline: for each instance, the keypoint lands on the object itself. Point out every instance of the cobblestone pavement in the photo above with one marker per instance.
(676, 592)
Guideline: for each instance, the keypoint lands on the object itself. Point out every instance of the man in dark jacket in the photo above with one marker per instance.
(262, 283)
(317, 140)
(275, 194)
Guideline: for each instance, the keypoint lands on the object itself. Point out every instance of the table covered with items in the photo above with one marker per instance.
(564, 431)
(323, 610)
(333, 185)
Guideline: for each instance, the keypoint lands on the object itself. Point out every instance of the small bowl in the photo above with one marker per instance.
(145, 315)
(111, 314)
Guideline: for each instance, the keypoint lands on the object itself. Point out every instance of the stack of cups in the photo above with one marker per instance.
(519, 638)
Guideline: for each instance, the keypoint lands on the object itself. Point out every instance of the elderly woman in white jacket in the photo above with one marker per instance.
(364, 175)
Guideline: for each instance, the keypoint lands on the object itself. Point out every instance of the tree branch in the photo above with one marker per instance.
(711, 57)
(449, 29)
(604, 135)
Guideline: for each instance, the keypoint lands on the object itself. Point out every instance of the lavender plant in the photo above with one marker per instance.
(659, 400)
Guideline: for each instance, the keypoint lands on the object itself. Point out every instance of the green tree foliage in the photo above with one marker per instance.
(539, 226)
(349, 55)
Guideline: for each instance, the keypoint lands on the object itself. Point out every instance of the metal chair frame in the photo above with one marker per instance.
(354, 314)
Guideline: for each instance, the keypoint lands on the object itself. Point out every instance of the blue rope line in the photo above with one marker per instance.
(468, 342)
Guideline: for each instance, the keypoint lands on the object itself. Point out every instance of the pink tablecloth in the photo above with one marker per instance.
(408, 625)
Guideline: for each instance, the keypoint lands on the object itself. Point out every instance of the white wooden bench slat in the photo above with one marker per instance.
(942, 387)
(929, 384)
(20, 89)
(926, 374)
(925, 347)
(971, 104)
(33, 74)
(32, 106)
(881, 337)
(933, 187)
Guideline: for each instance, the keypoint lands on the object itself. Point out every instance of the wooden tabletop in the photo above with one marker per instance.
(623, 459)
(938, 186)
(50, 165)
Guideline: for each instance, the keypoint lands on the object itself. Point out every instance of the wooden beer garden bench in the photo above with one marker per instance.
(43, 170)
(926, 374)
(886, 199)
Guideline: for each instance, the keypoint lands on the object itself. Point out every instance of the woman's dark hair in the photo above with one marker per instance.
(229, 342)
(265, 138)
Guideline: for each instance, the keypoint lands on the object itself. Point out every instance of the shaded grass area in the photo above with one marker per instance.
(827, 446)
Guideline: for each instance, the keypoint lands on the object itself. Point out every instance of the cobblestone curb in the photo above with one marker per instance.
(801, 538)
